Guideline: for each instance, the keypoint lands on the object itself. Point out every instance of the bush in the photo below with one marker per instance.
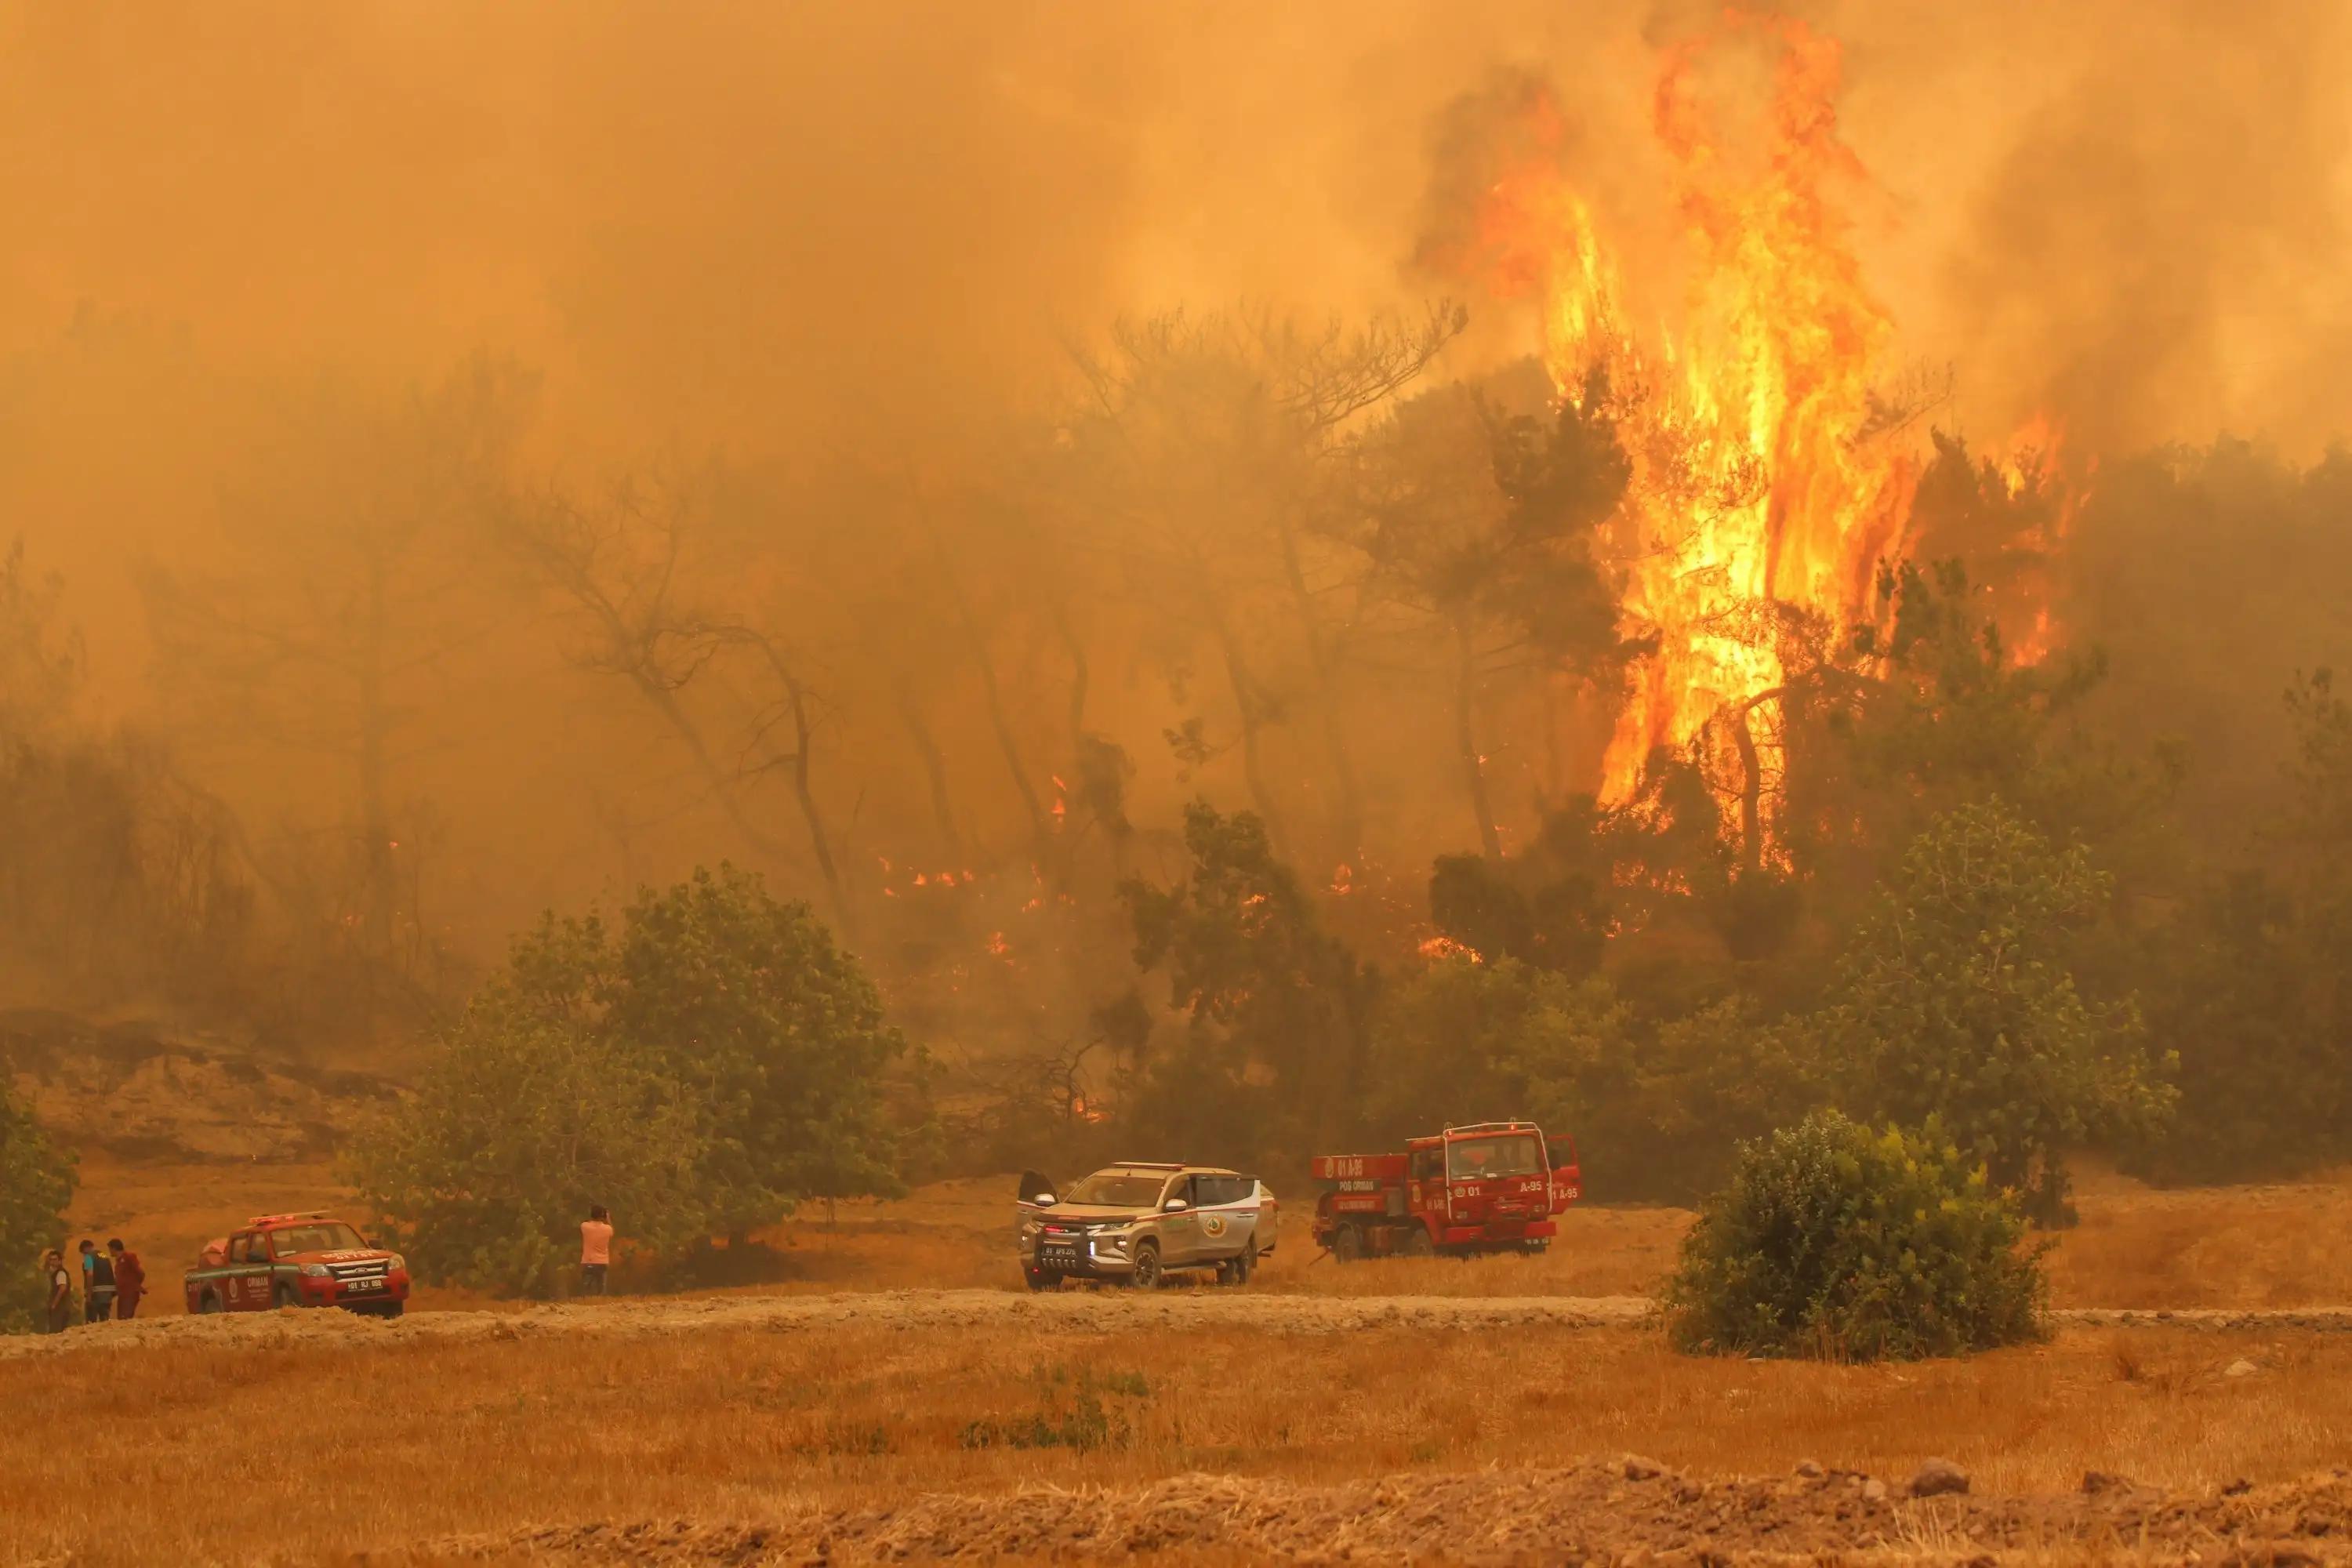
(37, 1182)
(774, 1032)
(1836, 1241)
(1953, 1001)
(483, 1178)
(702, 1071)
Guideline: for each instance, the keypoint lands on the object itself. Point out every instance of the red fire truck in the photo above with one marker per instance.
(1490, 1187)
(296, 1260)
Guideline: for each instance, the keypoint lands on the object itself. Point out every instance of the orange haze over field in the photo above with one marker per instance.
(821, 281)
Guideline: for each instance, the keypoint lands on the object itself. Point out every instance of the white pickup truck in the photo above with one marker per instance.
(1139, 1223)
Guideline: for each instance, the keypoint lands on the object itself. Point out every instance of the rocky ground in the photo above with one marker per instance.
(1622, 1512)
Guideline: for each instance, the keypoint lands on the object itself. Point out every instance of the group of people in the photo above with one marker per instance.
(112, 1281)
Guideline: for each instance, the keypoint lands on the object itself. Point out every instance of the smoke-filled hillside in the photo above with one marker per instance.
(1450, 537)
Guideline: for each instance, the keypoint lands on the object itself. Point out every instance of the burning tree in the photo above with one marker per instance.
(1767, 476)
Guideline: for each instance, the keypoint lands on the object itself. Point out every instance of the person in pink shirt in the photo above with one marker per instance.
(595, 1250)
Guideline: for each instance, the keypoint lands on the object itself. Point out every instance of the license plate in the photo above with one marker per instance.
(363, 1284)
(1051, 1254)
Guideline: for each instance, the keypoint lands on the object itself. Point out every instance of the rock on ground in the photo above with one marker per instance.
(1938, 1478)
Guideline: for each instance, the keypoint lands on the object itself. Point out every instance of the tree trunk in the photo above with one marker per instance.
(1752, 788)
(1078, 677)
(1114, 826)
(796, 698)
(1351, 824)
(664, 702)
(801, 790)
(1041, 831)
(935, 765)
(568, 560)
(1253, 718)
(983, 658)
(1474, 766)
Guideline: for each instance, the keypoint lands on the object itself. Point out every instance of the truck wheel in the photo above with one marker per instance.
(1348, 1243)
(1146, 1267)
(1040, 1280)
(209, 1302)
(1419, 1243)
(284, 1296)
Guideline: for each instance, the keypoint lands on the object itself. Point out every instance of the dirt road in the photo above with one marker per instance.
(1088, 1312)
(1084, 1312)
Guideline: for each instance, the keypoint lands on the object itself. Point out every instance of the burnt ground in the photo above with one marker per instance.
(1621, 1512)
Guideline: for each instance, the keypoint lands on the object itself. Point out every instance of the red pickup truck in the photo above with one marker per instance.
(296, 1260)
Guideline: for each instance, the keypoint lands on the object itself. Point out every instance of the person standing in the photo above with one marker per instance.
(595, 1250)
(129, 1278)
(97, 1283)
(59, 1305)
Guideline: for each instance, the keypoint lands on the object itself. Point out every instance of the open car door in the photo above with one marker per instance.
(1036, 1189)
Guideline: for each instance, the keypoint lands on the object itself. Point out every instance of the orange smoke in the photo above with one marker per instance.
(1769, 474)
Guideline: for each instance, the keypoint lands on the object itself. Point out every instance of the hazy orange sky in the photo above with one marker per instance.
(788, 231)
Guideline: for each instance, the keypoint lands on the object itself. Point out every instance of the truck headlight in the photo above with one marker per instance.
(399, 1264)
(315, 1270)
(1029, 1229)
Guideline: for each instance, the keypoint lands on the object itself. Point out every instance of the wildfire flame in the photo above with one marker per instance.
(1768, 472)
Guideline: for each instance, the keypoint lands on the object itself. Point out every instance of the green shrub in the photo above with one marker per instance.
(37, 1182)
(1953, 1000)
(482, 1177)
(1836, 1241)
(700, 1071)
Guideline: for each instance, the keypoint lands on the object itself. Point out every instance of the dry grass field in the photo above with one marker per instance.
(318, 1449)
(310, 1452)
